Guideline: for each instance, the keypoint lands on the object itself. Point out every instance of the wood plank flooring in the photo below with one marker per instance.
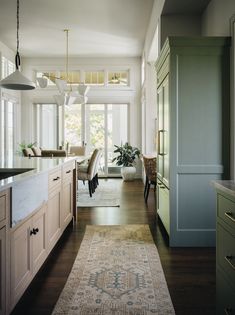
(190, 272)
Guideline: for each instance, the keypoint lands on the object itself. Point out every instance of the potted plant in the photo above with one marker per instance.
(126, 158)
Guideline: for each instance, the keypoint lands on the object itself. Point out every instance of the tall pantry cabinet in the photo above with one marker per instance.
(193, 135)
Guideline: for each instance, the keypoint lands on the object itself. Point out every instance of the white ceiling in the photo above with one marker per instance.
(98, 28)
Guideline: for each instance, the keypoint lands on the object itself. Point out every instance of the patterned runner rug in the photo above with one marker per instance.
(117, 272)
(106, 195)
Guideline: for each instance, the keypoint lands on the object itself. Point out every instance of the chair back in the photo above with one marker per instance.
(97, 162)
(78, 150)
(150, 167)
(92, 164)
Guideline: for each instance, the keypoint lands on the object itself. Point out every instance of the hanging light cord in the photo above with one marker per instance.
(17, 57)
(67, 54)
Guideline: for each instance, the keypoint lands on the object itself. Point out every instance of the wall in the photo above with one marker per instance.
(215, 19)
(216, 22)
(180, 25)
(150, 54)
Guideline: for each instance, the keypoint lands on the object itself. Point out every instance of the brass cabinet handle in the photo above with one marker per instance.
(56, 178)
(229, 214)
(228, 311)
(68, 172)
(229, 258)
(159, 142)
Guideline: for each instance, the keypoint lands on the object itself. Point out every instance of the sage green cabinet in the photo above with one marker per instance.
(193, 135)
(225, 253)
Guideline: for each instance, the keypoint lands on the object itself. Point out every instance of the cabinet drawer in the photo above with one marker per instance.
(54, 179)
(226, 210)
(225, 296)
(67, 171)
(226, 252)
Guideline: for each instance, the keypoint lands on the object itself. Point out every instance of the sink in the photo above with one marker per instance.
(8, 172)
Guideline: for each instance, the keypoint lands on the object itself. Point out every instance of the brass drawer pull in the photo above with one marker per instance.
(228, 311)
(68, 172)
(230, 215)
(229, 258)
(56, 178)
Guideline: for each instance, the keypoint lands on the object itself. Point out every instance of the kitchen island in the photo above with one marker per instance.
(37, 202)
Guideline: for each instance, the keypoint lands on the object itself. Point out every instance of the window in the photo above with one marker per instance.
(46, 123)
(95, 78)
(7, 128)
(118, 78)
(73, 124)
(73, 77)
(8, 67)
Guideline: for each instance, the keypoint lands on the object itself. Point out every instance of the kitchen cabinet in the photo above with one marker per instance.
(54, 207)
(67, 194)
(225, 249)
(28, 252)
(192, 135)
(4, 250)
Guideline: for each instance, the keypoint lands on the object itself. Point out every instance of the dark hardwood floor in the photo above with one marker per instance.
(190, 272)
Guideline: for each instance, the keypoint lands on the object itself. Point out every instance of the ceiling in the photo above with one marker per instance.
(98, 28)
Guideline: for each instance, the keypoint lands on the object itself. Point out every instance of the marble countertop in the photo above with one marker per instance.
(38, 164)
(227, 186)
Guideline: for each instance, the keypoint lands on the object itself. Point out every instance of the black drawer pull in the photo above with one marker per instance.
(68, 172)
(34, 231)
(54, 179)
(229, 259)
(228, 311)
(230, 216)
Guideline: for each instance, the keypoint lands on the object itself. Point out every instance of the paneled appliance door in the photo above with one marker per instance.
(163, 132)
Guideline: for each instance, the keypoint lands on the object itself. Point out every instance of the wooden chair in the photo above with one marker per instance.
(87, 172)
(151, 174)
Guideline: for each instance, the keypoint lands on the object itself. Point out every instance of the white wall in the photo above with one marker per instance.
(149, 87)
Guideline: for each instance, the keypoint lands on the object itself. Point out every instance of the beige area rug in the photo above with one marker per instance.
(117, 271)
(106, 195)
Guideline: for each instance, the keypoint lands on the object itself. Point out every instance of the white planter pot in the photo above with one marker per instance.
(128, 173)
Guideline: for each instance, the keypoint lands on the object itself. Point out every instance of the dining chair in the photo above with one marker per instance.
(87, 172)
(151, 174)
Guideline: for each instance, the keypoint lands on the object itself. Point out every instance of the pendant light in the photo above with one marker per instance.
(16, 80)
(69, 96)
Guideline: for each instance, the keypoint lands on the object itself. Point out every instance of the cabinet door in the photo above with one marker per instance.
(163, 131)
(53, 212)
(165, 86)
(163, 206)
(21, 270)
(160, 132)
(67, 203)
(3, 271)
(39, 238)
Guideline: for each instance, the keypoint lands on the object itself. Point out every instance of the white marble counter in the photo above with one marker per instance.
(29, 189)
(227, 186)
(38, 164)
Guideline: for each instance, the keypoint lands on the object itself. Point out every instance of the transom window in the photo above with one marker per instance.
(94, 78)
(118, 78)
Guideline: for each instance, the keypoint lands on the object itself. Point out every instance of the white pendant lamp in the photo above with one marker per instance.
(16, 80)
